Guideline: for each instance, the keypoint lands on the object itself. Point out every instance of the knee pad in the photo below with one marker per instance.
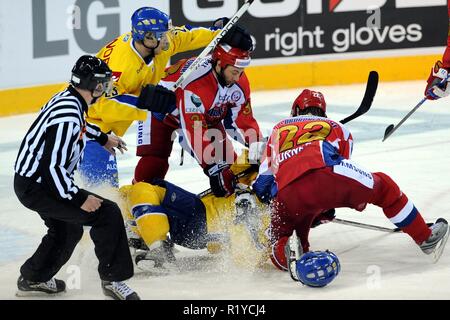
(386, 189)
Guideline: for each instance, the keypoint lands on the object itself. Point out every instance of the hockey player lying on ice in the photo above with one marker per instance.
(236, 223)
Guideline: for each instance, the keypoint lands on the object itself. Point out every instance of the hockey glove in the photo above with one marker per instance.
(157, 99)
(247, 214)
(324, 217)
(217, 113)
(265, 188)
(221, 179)
(238, 37)
(245, 203)
(434, 89)
(221, 22)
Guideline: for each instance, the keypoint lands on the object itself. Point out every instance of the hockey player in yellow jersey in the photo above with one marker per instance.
(137, 59)
(235, 225)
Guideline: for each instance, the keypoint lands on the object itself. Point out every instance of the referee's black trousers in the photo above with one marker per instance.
(65, 228)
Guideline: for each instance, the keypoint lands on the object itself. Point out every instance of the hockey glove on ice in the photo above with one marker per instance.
(221, 179)
(246, 208)
(434, 90)
(157, 99)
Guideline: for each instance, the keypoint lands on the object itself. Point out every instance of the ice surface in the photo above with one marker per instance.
(375, 265)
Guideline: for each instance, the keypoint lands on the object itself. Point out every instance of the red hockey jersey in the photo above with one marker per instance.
(298, 145)
(446, 58)
(203, 105)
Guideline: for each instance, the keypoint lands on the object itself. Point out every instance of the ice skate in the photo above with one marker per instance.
(28, 288)
(161, 253)
(435, 244)
(119, 291)
(293, 251)
(135, 242)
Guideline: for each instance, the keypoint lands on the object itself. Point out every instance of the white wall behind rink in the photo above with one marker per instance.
(19, 66)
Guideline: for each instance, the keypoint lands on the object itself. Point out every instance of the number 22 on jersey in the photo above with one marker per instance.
(292, 136)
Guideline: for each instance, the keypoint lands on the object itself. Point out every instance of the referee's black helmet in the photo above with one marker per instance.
(93, 74)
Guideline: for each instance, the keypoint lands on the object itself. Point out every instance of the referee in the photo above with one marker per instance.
(43, 182)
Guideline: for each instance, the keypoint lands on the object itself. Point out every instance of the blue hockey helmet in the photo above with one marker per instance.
(317, 268)
(148, 19)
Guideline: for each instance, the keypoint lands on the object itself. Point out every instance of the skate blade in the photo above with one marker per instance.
(37, 294)
(148, 267)
(440, 247)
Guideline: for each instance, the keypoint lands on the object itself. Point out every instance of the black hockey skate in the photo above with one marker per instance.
(119, 291)
(134, 240)
(28, 288)
(435, 244)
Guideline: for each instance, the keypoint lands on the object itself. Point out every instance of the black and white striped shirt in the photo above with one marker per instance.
(53, 146)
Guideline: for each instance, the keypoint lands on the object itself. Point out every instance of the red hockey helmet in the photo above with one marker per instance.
(306, 99)
(228, 55)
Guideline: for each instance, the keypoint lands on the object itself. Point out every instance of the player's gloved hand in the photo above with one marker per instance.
(217, 113)
(238, 37)
(157, 99)
(221, 179)
(248, 215)
(434, 89)
(245, 203)
(324, 217)
(265, 188)
(221, 22)
(255, 151)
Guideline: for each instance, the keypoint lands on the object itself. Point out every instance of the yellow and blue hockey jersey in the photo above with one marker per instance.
(153, 210)
(131, 73)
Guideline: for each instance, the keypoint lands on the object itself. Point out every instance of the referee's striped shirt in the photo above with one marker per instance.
(53, 146)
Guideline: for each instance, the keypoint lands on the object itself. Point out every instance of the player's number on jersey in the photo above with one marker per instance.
(292, 136)
(114, 92)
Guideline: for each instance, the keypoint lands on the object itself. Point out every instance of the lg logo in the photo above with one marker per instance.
(282, 8)
(79, 15)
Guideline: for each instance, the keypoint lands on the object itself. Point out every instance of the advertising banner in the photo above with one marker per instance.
(40, 40)
(290, 28)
